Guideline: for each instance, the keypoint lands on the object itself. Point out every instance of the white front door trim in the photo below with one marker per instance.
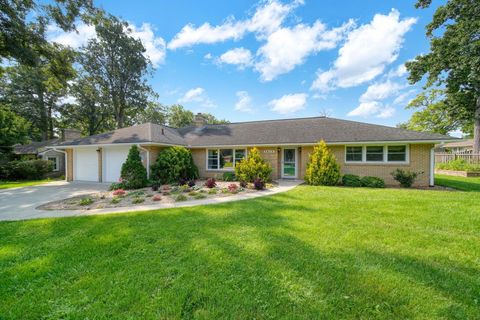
(296, 163)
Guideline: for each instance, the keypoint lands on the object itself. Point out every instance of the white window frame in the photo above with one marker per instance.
(218, 158)
(57, 162)
(385, 154)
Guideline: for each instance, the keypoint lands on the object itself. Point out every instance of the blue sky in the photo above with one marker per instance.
(244, 60)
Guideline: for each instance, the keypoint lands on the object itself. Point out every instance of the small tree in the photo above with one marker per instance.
(173, 164)
(322, 168)
(253, 167)
(134, 174)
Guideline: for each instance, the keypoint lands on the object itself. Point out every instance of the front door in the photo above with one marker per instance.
(289, 163)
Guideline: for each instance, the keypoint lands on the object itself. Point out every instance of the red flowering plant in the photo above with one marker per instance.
(119, 192)
(233, 188)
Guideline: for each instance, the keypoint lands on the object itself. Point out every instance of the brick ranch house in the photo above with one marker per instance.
(360, 148)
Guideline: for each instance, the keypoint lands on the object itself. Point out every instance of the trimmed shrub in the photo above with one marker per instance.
(138, 200)
(228, 176)
(191, 183)
(405, 177)
(134, 174)
(116, 186)
(115, 200)
(26, 170)
(200, 196)
(322, 167)
(351, 180)
(253, 167)
(173, 164)
(212, 191)
(155, 185)
(210, 183)
(372, 182)
(181, 197)
(157, 197)
(259, 184)
(243, 184)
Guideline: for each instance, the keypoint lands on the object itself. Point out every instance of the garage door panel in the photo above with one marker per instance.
(86, 164)
(114, 159)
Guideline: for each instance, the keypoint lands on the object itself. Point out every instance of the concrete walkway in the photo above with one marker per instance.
(21, 203)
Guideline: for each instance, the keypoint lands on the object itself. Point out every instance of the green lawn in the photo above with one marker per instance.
(313, 252)
(460, 183)
(22, 183)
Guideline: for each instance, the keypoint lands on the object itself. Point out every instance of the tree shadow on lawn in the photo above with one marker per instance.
(217, 261)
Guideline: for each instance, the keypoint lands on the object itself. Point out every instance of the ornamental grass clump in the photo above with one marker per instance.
(133, 173)
(253, 167)
(322, 167)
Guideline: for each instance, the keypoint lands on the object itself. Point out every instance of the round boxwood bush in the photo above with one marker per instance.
(351, 180)
(372, 182)
(134, 174)
(174, 164)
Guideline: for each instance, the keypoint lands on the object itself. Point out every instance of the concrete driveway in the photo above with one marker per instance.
(20, 203)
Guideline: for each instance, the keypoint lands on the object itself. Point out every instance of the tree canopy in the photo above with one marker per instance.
(453, 62)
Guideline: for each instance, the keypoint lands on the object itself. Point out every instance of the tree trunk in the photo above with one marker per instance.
(476, 128)
(50, 123)
(43, 115)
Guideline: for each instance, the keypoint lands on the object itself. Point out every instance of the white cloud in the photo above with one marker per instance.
(289, 103)
(208, 56)
(380, 91)
(288, 47)
(366, 52)
(239, 56)
(197, 95)
(371, 100)
(400, 71)
(73, 39)
(267, 18)
(155, 46)
(403, 97)
(244, 103)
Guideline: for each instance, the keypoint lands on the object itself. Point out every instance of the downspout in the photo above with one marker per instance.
(65, 160)
(148, 159)
(432, 167)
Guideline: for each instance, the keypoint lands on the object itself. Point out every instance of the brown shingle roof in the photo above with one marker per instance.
(288, 131)
(34, 147)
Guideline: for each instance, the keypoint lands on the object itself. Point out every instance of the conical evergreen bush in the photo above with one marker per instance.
(134, 174)
(322, 167)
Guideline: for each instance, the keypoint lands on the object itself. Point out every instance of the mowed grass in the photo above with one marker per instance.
(310, 253)
(460, 183)
(22, 183)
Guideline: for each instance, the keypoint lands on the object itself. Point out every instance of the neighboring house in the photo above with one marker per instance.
(45, 150)
(360, 148)
(465, 146)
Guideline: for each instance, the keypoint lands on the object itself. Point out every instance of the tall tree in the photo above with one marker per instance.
(23, 24)
(434, 114)
(116, 64)
(13, 129)
(178, 117)
(154, 112)
(33, 91)
(90, 111)
(454, 59)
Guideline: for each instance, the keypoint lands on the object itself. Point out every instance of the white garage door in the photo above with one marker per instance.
(86, 164)
(114, 157)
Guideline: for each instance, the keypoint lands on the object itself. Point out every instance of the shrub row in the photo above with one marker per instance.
(351, 180)
(458, 165)
(25, 170)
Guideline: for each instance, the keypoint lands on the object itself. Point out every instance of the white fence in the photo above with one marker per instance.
(473, 158)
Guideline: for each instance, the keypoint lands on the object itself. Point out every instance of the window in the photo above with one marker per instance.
(224, 159)
(354, 154)
(374, 153)
(212, 159)
(55, 162)
(397, 153)
(385, 153)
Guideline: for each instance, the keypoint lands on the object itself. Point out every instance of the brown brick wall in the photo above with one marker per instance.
(270, 154)
(419, 162)
(69, 173)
